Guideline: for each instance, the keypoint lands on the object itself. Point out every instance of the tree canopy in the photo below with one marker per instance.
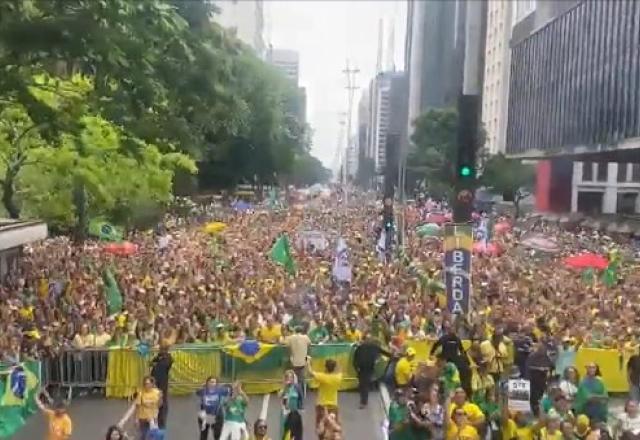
(102, 102)
(509, 177)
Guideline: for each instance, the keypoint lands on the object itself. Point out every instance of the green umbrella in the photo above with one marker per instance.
(428, 230)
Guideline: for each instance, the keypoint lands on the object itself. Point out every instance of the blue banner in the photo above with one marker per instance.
(458, 245)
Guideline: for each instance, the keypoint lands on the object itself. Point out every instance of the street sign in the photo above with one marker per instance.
(458, 246)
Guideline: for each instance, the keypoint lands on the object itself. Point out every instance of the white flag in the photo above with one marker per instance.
(381, 246)
(341, 267)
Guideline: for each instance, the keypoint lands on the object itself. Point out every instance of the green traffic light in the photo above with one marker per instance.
(465, 171)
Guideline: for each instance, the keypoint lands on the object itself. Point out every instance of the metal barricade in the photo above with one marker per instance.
(78, 369)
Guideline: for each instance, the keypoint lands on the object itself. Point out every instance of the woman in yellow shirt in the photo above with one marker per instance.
(146, 406)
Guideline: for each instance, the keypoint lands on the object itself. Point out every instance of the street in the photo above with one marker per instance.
(92, 416)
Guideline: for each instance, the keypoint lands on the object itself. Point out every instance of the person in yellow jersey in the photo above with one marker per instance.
(146, 406)
(518, 427)
(460, 428)
(405, 368)
(271, 332)
(59, 422)
(551, 430)
(474, 413)
(328, 386)
(351, 333)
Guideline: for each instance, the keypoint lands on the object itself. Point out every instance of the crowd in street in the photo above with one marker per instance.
(529, 316)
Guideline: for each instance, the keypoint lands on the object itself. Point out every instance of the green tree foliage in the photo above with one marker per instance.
(509, 177)
(307, 170)
(103, 101)
(434, 155)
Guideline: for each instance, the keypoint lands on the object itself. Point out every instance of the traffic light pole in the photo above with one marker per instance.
(469, 115)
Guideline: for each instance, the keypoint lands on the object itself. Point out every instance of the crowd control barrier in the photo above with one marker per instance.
(119, 371)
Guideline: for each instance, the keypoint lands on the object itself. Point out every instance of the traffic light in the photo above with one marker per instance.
(387, 215)
(468, 127)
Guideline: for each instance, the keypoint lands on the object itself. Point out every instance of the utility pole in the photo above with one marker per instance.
(351, 88)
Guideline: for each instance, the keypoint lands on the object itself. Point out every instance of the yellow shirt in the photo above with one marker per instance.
(353, 336)
(512, 431)
(148, 403)
(404, 371)
(473, 412)
(545, 435)
(270, 335)
(328, 386)
(60, 428)
(467, 432)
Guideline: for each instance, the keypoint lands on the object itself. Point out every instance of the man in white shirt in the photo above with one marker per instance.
(299, 344)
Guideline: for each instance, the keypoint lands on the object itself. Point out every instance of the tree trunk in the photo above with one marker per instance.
(80, 203)
(8, 193)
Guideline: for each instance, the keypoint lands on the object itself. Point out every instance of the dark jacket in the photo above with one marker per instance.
(366, 355)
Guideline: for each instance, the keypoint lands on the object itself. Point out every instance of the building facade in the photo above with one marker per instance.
(574, 102)
(288, 61)
(497, 63)
(246, 19)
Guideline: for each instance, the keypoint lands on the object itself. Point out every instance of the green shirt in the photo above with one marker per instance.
(235, 410)
(291, 397)
(318, 334)
(397, 415)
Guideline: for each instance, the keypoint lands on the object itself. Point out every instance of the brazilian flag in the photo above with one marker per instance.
(18, 388)
(104, 231)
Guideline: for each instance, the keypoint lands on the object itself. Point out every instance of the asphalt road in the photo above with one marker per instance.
(92, 415)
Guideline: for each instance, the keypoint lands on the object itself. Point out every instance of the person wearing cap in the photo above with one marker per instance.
(60, 426)
(404, 368)
(365, 358)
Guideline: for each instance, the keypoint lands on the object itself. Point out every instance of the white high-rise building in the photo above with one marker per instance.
(288, 61)
(246, 18)
(495, 93)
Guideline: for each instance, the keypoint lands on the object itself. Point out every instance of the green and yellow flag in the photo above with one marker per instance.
(112, 293)
(281, 254)
(18, 388)
(105, 231)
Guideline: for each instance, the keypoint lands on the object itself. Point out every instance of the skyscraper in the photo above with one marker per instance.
(246, 19)
(286, 60)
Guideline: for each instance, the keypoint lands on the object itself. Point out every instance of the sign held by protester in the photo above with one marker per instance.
(518, 395)
(458, 245)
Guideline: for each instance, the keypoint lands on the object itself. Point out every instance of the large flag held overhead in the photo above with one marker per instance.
(18, 387)
(104, 231)
(341, 267)
(281, 254)
(112, 293)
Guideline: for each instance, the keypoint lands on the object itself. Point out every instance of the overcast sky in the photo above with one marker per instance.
(326, 33)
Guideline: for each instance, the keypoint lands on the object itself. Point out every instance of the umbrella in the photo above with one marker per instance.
(428, 230)
(214, 227)
(502, 228)
(541, 243)
(490, 249)
(124, 248)
(586, 261)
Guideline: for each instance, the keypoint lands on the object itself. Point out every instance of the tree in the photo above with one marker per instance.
(307, 170)
(435, 138)
(509, 177)
(434, 156)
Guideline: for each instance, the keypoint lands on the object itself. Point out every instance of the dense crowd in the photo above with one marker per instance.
(529, 312)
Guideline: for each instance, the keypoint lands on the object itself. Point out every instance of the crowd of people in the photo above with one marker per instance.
(529, 314)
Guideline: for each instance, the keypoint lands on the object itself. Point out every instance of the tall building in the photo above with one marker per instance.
(352, 157)
(288, 61)
(246, 19)
(497, 64)
(387, 115)
(574, 103)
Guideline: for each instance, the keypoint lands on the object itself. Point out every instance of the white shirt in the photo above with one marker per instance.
(627, 423)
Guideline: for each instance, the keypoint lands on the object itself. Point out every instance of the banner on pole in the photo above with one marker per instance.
(458, 246)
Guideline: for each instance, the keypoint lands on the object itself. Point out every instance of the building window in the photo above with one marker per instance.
(522, 8)
(587, 171)
(635, 172)
(626, 203)
(622, 172)
(603, 168)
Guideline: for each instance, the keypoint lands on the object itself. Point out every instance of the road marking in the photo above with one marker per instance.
(386, 401)
(265, 406)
